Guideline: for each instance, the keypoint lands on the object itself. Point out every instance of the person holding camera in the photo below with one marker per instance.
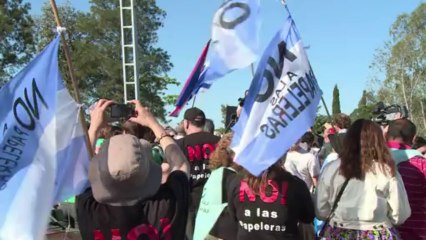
(126, 199)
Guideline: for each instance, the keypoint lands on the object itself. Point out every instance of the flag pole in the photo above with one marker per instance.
(193, 101)
(73, 80)
(284, 2)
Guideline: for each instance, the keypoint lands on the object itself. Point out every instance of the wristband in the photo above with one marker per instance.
(163, 135)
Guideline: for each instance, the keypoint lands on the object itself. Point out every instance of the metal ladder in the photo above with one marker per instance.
(129, 51)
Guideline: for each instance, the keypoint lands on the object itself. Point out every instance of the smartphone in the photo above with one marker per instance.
(121, 111)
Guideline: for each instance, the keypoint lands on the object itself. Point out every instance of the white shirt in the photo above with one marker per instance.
(331, 157)
(379, 200)
(303, 165)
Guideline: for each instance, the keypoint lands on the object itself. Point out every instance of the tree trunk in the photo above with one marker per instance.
(423, 114)
(404, 93)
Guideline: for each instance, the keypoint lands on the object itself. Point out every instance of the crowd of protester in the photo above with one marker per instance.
(356, 180)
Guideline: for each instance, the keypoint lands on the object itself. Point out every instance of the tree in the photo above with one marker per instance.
(16, 37)
(336, 101)
(365, 108)
(95, 39)
(46, 28)
(223, 111)
(402, 63)
(363, 100)
(320, 120)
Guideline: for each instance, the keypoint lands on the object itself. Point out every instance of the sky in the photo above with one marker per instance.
(342, 37)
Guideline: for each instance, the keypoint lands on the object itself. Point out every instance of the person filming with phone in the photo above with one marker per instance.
(126, 198)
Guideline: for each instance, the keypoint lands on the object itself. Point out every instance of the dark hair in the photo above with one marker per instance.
(403, 129)
(342, 121)
(308, 138)
(139, 131)
(209, 126)
(109, 131)
(364, 145)
(419, 142)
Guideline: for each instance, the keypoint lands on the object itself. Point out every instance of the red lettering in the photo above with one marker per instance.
(147, 229)
(115, 235)
(284, 188)
(194, 153)
(208, 149)
(244, 188)
(167, 227)
(274, 193)
(97, 235)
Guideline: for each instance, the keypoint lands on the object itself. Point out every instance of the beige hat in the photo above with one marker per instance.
(124, 171)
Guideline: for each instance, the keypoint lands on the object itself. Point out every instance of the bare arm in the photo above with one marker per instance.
(173, 154)
(97, 120)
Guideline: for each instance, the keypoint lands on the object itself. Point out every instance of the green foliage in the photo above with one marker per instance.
(16, 37)
(402, 63)
(363, 112)
(336, 101)
(223, 111)
(365, 108)
(95, 41)
(221, 130)
(320, 120)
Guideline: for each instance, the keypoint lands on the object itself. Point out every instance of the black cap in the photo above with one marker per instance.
(195, 115)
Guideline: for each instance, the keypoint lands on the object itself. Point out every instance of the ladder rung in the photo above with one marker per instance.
(129, 64)
(130, 82)
(126, 8)
(128, 26)
(128, 45)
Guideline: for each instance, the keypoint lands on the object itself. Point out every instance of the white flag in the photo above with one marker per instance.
(235, 38)
(281, 104)
(43, 156)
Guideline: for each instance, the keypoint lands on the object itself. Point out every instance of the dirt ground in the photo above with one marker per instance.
(62, 235)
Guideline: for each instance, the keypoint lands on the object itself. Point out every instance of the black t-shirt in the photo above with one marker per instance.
(197, 148)
(225, 226)
(160, 217)
(274, 212)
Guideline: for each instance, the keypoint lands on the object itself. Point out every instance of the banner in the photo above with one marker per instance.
(281, 104)
(43, 156)
(189, 89)
(235, 40)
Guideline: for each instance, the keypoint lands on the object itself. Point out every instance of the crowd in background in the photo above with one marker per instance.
(356, 180)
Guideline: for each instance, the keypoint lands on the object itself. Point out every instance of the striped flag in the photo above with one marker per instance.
(43, 156)
(190, 88)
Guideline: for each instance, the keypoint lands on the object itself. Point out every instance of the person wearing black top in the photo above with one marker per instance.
(269, 206)
(127, 199)
(197, 146)
(213, 220)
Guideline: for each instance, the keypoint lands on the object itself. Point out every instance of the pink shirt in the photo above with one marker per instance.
(413, 173)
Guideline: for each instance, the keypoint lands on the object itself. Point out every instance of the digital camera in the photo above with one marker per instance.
(384, 114)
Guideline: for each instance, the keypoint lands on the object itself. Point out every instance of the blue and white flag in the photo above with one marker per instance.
(235, 39)
(43, 156)
(281, 104)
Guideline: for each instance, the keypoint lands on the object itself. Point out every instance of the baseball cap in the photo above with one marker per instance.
(124, 171)
(195, 115)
